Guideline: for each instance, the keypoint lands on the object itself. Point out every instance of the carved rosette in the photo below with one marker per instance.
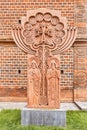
(43, 35)
(80, 79)
(44, 25)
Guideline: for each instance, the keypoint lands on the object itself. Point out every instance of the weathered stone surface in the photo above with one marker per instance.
(43, 117)
(81, 19)
(80, 72)
(81, 105)
(44, 34)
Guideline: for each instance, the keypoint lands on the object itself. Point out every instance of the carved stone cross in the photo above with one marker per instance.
(43, 35)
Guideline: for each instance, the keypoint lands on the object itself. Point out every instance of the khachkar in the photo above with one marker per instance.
(43, 34)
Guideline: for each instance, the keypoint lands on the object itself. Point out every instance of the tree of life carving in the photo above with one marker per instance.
(43, 35)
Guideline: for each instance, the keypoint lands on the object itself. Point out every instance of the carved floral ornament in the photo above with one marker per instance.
(44, 27)
(43, 34)
(80, 79)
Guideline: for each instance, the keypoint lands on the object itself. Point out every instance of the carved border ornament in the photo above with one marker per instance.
(46, 27)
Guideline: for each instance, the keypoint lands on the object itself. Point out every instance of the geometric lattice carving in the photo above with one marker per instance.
(43, 35)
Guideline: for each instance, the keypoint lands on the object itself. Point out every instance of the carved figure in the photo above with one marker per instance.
(53, 84)
(43, 33)
(34, 80)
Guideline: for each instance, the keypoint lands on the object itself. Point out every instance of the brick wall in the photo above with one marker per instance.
(13, 71)
(12, 10)
(13, 60)
(67, 75)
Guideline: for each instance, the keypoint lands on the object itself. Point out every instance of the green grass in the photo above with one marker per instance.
(10, 120)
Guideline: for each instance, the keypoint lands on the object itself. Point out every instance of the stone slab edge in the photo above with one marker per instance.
(47, 117)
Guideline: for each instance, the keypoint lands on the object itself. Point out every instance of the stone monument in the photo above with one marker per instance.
(43, 34)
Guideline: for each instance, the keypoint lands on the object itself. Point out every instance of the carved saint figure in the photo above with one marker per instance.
(53, 84)
(34, 80)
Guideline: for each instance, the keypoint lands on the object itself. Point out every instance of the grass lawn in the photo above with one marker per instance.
(10, 120)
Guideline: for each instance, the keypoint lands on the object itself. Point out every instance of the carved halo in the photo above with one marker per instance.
(33, 58)
(53, 59)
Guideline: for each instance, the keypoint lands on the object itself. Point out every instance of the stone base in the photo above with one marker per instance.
(51, 117)
(81, 105)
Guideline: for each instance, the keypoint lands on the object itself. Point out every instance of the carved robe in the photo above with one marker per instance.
(53, 86)
(34, 80)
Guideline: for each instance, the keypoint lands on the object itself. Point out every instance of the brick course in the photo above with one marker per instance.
(12, 10)
(13, 71)
(14, 83)
(13, 60)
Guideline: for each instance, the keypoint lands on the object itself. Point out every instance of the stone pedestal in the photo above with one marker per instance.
(51, 117)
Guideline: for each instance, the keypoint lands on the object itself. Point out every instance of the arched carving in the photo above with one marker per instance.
(43, 35)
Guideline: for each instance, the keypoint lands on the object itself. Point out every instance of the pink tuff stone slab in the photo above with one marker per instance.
(43, 35)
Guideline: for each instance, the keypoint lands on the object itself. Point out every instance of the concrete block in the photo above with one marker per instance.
(43, 117)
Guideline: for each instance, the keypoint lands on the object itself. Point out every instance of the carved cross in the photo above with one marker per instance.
(44, 35)
(42, 32)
